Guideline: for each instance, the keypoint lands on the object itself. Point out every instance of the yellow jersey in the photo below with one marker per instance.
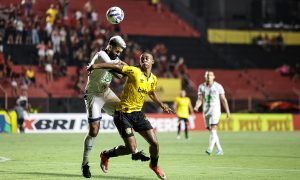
(136, 87)
(182, 104)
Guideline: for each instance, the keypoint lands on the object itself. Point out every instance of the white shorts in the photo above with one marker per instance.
(211, 119)
(95, 103)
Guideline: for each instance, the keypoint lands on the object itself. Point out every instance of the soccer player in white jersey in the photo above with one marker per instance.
(99, 96)
(209, 95)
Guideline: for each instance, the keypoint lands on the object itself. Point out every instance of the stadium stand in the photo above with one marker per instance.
(247, 71)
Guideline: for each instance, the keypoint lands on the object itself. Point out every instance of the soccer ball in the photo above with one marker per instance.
(115, 15)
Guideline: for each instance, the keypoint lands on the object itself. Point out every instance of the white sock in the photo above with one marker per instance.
(87, 148)
(218, 143)
(212, 140)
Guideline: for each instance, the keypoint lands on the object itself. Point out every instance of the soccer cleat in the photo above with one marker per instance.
(208, 152)
(140, 156)
(177, 137)
(160, 174)
(86, 171)
(103, 162)
(220, 153)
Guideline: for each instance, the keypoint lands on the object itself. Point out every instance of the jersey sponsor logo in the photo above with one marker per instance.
(144, 91)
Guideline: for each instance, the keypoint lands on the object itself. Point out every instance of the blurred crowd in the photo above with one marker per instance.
(293, 72)
(269, 43)
(63, 38)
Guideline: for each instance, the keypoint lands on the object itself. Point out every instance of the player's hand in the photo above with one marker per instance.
(228, 116)
(196, 109)
(167, 109)
(122, 63)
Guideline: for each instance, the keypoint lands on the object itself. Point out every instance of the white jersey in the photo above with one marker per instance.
(211, 99)
(100, 79)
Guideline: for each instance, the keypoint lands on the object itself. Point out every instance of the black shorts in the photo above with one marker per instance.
(182, 119)
(125, 122)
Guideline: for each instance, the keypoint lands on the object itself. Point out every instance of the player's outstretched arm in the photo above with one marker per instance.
(117, 66)
(164, 107)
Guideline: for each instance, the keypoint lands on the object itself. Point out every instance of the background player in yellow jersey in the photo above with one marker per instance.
(183, 107)
(128, 114)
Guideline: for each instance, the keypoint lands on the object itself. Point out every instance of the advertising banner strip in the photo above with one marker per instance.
(77, 123)
(167, 89)
(5, 122)
(257, 122)
(296, 122)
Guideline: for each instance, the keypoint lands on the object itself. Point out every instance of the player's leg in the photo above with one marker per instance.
(186, 127)
(178, 128)
(20, 125)
(124, 126)
(121, 150)
(211, 141)
(111, 99)
(151, 138)
(214, 127)
(214, 139)
(93, 108)
(145, 129)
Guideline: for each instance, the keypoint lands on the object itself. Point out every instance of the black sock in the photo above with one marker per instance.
(154, 161)
(111, 153)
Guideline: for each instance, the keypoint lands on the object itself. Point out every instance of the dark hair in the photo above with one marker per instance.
(113, 43)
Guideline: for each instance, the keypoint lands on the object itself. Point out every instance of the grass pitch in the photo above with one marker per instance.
(253, 155)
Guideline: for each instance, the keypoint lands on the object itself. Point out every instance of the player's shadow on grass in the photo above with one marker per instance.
(72, 175)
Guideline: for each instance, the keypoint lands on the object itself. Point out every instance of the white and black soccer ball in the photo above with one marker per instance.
(114, 15)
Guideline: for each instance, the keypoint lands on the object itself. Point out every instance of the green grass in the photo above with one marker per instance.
(272, 155)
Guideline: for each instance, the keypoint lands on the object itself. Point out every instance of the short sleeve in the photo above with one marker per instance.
(154, 84)
(200, 90)
(130, 71)
(221, 89)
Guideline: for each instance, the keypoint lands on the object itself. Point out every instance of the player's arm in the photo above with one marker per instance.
(164, 107)
(116, 66)
(191, 109)
(225, 104)
(198, 102)
(117, 74)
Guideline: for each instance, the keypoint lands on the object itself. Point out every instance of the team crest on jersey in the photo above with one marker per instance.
(128, 130)
(141, 80)
(152, 84)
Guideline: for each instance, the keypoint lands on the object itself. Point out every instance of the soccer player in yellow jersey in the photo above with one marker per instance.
(183, 107)
(128, 115)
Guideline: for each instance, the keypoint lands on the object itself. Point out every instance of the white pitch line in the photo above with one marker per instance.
(4, 159)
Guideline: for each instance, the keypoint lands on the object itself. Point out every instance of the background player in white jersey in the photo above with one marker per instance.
(209, 95)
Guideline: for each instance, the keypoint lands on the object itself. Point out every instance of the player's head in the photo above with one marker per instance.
(146, 60)
(182, 93)
(115, 46)
(209, 76)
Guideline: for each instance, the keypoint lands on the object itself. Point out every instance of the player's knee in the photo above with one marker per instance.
(93, 132)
